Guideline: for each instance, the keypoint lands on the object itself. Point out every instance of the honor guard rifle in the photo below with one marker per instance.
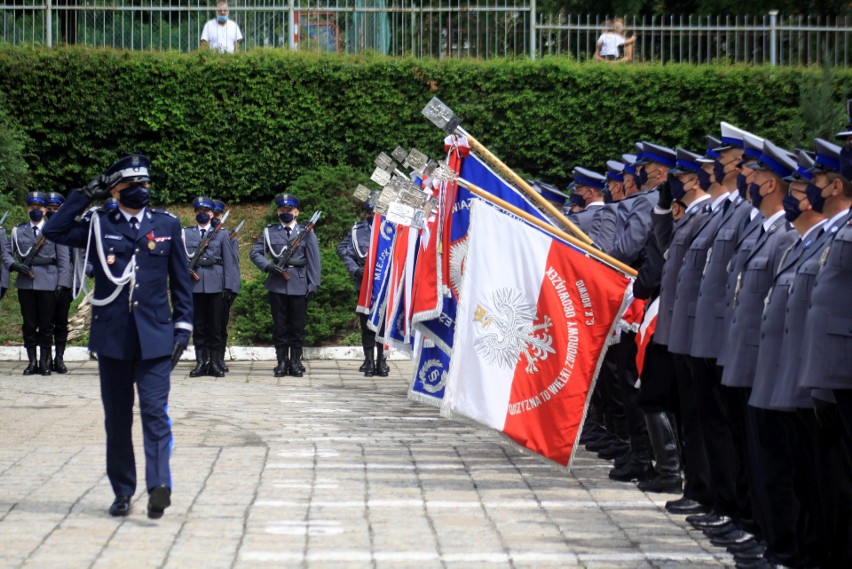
(3, 219)
(193, 261)
(28, 260)
(282, 262)
(236, 230)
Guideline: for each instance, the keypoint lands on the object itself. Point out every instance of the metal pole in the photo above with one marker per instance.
(533, 28)
(773, 32)
(293, 30)
(48, 22)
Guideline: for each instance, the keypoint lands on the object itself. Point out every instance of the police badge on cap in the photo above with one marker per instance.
(132, 168)
(36, 198)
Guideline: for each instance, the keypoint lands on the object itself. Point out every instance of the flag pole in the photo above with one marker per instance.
(603, 257)
(523, 185)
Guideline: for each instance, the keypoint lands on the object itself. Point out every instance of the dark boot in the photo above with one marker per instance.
(382, 369)
(32, 366)
(222, 360)
(44, 361)
(638, 465)
(283, 356)
(214, 368)
(369, 366)
(666, 455)
(201, 363)
(296, 369)
(59, 360)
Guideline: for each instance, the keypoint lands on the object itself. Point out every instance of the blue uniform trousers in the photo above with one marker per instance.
(152, 379)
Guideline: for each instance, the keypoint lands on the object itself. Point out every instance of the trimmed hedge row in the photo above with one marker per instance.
(245, 126)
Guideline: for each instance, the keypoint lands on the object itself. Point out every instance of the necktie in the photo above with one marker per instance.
(134, 223)
(288, 231)
(35, 230)
(203, 231)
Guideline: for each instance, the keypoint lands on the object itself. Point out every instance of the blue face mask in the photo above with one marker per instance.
(202, 218)
(286, 217)
(719, 172)
(641, 178)
(36, 215)
(754, 192)
(791, 208)
(742, 187)
(134, 197)
(704, 180)
(814, 194)
(221, 19)
(677, 189)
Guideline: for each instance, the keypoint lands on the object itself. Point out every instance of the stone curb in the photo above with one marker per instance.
(233, 353)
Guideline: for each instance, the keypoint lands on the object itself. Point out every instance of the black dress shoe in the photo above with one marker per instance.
(753, 554)
(120, 506)
(159, 499)
(721, 532)
(685, 506)
(663, 483)
(735, 548)
(600, 443)
(614, 451)
(633, 471)
(757, 564)
(732, 538)
(711, 520)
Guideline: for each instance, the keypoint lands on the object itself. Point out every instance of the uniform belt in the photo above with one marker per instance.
(208, 262)
(44, 261)
(297, 264)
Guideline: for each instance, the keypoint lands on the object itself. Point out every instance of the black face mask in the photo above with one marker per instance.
(677, 187)
(286, 217)
(48, 213)
(641, 178)
(36, 215)
(215, 221)
(742, 187)
(704, 180)
(719, 172)
(814, 194)
(134, 197)
(754, 192)
(791, 208)
(202, 218)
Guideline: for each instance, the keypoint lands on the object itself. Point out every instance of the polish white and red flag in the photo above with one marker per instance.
(533, 320)
(646, 332)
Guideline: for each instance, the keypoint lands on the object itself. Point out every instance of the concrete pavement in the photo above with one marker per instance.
(329, 470)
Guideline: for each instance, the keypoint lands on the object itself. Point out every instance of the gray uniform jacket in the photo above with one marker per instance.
(51, 265)
(604, 225)
(753, 284)
(236, 276)
(772, 325)
(215, 265)
(745, 244)
(304, 267)
(828, 326)
(6, 253)
(710, 306)
(353, 249)
(631, 237)
(583, 219)
(673, 239)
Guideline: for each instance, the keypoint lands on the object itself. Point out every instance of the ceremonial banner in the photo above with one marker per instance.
(646, 331)
(398, 317)
(381, 272)
(431, 365)
(367, 293)
(533, 319)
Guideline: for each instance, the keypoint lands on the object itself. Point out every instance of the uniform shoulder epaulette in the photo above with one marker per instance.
(170, 214)
(272, 225)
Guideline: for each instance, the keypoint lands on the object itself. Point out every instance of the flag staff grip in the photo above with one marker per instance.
(603, 257)
(522, 184)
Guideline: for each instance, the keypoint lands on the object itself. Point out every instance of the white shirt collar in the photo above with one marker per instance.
(837, 217)
(718, 201)
(733, 196)
(127, 215)
(40, 224)
(767, 223)
(588, 205)
(205, 227)
(697, 203)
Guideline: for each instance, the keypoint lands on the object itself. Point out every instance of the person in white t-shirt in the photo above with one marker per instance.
(221, 33)
(612, 45)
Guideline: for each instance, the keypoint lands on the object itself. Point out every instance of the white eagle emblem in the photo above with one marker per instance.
(458, 256)
(514, 332)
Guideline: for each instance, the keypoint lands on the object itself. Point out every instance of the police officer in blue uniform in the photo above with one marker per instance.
(63, 297)
(139, 265)
(288, 296)
(229, 294)
(37, 284)
(352, 250)
(212, 276)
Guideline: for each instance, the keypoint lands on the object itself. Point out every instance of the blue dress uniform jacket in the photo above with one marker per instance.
(673, 238)
(828, 327)
(159, 270)
(50, 265)
(710, 306)
(214, 268)
(750, 292)
(303, 278)
(353, 249)
(631, 237)
(689, 280)
(745, 245)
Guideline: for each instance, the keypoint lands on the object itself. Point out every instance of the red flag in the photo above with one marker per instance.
(646, 330)
(365, 295)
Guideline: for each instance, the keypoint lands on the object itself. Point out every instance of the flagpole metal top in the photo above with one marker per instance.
(441, 115)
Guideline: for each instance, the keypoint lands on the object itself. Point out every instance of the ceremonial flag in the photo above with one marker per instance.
(398, 313)
(431, 365)
(646, 331)
(533, 319)
(381, 271)
(366, 295)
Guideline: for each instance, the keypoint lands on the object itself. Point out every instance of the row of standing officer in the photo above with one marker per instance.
(750, 352)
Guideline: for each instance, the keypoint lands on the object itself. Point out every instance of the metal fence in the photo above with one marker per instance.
(444, 28)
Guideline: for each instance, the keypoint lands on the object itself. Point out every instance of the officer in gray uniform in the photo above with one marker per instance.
(139, 269)
(596, 220)
(213, 275)
(5, 253)
(631, 237)
(352, 250)
(229, 295)
(767, 189)
(288, 295)
(37, 283)
(63, 296)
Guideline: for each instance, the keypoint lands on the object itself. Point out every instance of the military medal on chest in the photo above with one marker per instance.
(151, 244)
